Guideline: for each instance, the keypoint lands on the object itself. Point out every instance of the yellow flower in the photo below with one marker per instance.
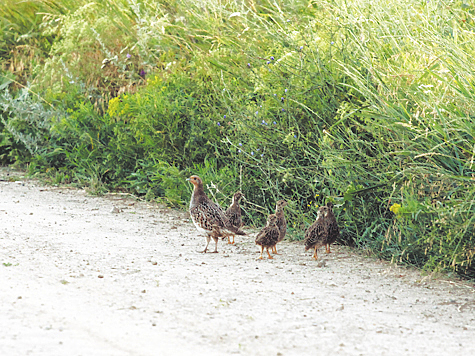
(395, 208)
(113, 106)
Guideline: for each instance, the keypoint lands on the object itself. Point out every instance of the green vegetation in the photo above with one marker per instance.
(369, 104)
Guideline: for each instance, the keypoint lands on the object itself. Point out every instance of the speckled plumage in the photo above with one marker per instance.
(323, 232)
(333, 229)
(281, 222)
(268, 236)
(207, 216)
(233, 213)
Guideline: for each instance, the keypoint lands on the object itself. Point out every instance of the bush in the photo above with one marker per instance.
(368, 104)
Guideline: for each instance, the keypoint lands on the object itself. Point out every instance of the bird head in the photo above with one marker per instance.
(237, 197)
(330, 205)
(322, 211)
(195, 180)
(280, 204)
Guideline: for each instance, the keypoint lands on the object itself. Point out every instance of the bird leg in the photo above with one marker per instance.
(327, 248)
(315, 254)
(208, 239)
(216, 246)
(270, 257)
(229, 240)
(274, 250)
(262, 251)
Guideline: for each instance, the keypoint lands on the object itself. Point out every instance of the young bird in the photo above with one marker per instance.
(324, 231)
(332, 227)
(207, 216)
(268, 236)
(234, 214)
(281, 222)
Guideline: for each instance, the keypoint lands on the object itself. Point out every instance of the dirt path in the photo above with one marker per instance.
(79, 278)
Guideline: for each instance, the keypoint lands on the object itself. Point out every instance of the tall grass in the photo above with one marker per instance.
(369, 104)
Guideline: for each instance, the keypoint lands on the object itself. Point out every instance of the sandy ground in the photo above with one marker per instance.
(84, 275)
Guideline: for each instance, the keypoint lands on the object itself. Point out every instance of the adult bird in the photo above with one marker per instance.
(268, 236)
(207, 216)
(233, 213)
(281, 222)
(323, 232)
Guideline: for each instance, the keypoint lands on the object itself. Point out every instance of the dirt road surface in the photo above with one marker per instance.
(85, 275)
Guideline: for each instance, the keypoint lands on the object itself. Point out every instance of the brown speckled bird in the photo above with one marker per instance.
(324, 231)
(281, 222)
(234, 214)
(268, 236)
(208, 216)
(333, 229)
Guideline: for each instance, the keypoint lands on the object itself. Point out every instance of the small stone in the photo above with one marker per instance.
(321, 263)
(100, 276)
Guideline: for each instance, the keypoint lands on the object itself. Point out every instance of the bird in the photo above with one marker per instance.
(268, 236)
(233, 213)
(281, 222)
(332, 225)
(323, 232)
(207, 216)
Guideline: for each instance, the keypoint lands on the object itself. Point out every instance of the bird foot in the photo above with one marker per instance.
(270, 258)
(260, 258)
(215, 251)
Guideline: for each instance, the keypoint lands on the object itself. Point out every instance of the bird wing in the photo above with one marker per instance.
(234, 217)
(268, 236)
(315, 235)
(208, 215)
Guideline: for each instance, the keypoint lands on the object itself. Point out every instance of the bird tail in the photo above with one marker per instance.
(234, 230)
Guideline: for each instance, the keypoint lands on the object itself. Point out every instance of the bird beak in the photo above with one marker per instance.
(187, 179)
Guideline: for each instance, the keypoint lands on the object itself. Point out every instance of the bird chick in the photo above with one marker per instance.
(332, 227)
(268, 236)
(233, 213)
(281, 222)
(323, 232)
